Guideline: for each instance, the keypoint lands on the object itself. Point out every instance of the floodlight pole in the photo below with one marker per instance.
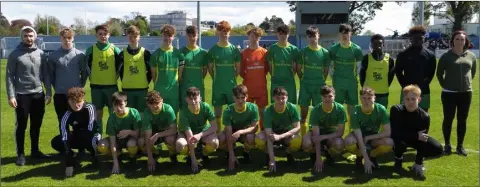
(199, 27)
(297, 24)
(422, 10)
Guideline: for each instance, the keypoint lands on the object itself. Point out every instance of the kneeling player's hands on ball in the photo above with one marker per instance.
(151, 164)
(69, 171)
(272, 166)
(115, 169)
(367, 166)
(318, 167)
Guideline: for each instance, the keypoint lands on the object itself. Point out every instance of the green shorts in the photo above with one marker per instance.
(222, 95)
(382, 99)
(136, 99)
(348, 96)
(424, 103)
(171, 97)
(309, 94)
(102, 97)
(183, 94)
(289, 85)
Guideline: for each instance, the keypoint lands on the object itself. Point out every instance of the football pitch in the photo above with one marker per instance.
(450, 170)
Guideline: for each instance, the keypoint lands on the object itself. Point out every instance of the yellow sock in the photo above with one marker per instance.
(171, 149)
(184, 151)
(334, 151)
(132, 151)
(103, 150)
(261, 144)
(380, 150)
(309, 149)
(303, 129)
(207, 149)
(295, 144)
(248, 147)
(353, 149)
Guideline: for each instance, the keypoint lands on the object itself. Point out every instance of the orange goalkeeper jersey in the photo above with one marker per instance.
(254, 69)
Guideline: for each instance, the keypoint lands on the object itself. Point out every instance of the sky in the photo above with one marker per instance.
(391, 17)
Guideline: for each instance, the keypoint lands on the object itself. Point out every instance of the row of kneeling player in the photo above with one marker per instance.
(373, 132)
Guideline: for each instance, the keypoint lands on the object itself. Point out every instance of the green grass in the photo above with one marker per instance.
(452, 170)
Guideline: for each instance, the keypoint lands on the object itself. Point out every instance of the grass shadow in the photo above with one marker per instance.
(55, 171)
(284, 167)
(30, 161)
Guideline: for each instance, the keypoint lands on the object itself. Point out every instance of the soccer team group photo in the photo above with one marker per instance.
(119, 108)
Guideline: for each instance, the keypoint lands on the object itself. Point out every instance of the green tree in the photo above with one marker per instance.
(266, 25)
(210, 32)
(16, 25)
(458, 12)
(40, 25)
(368, 33)
(155, 33)
(428, 7)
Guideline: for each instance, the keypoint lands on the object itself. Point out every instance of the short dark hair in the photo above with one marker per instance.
(280, 91)
(367, 90)
(153, 97)
(193, 92)
(343, 28)
(240, 90)
(311, 31)
(102, 27)
(377, 37)
(327, 90)
(283, 29)
(417, 29)
(192, 29)
(467, 41)
(119, 97)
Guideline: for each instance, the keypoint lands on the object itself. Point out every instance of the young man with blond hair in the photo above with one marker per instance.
(134, 70)
(195, 68)
(167, 65)
(67, 69)
(224, 67)
(312, 69)
(102, 67)
(370, 136)
(254, 69)
(410, 125)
